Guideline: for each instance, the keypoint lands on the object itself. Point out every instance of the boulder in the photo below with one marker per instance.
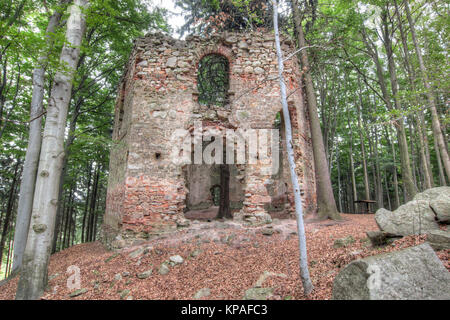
(441, 208)
(380, 238)
(414, 217)
(415, 273)
(433, 193)
(439, 239)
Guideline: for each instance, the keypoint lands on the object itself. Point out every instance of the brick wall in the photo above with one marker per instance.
(147, 192)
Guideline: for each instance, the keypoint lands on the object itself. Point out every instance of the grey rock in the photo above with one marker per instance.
(202, 293)
(136, 253)
(160, 114)
(439, 239)
(164, 269)
(267, 231)
(242, 45)
(415, 273)
(124, 293)
(266, 274)
(248, 69)
(183, 223)
(433, 193)
(380, 238)
(171, 62)
(259, 70)
(78, 292)
(183, 64)
(230, 40)
(145, 274)
(258, 293)
(176, 259)
(143, 64)
(414, 217)
(195, 253)
(340, 243)
(441, 208)
(118, 277)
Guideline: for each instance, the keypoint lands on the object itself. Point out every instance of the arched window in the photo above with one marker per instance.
(213, 80)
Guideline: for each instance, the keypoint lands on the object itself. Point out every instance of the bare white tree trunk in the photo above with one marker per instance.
(33, 276)
(304, 272)
(30, 166)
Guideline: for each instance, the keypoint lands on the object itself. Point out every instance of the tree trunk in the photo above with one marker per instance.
(30, 166)
(339, 179)
(93, 202)
(304, 272)
(363, 148)
(9, 210)
(86, 205)
(442, 180)
(387, 189)
(37, 252)
(408, 183)
(325, 198)
(379, 183)
(425, 160)
(394, 169)
(352, 166)
(437, 132)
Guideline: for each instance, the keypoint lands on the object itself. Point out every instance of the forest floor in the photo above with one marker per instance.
(221, 256)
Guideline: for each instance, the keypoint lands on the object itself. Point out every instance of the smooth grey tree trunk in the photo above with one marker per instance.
(352, 165)
(421, 131)
(33, 276)
(437, 132)
(304, 272)
(30, 166)
(407, 175)
(326, 203)
(363, 148)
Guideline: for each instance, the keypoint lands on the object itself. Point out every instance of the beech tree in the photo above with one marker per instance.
(33, 275)
(30, 166)
(326, 202)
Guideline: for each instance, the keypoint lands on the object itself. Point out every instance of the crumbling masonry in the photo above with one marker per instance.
(147, 193)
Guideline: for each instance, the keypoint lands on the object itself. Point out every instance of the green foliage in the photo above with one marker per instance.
(112, 26)
(208, 16)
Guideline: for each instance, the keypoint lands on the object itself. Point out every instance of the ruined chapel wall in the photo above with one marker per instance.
(160, 97)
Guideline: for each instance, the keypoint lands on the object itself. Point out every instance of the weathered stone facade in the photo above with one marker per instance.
(147, 192)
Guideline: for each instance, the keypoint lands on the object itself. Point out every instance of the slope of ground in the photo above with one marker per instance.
(223, 257)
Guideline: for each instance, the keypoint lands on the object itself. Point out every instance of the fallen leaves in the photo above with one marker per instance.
(227, 269)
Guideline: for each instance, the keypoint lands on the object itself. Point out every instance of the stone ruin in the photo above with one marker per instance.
(148, 194)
